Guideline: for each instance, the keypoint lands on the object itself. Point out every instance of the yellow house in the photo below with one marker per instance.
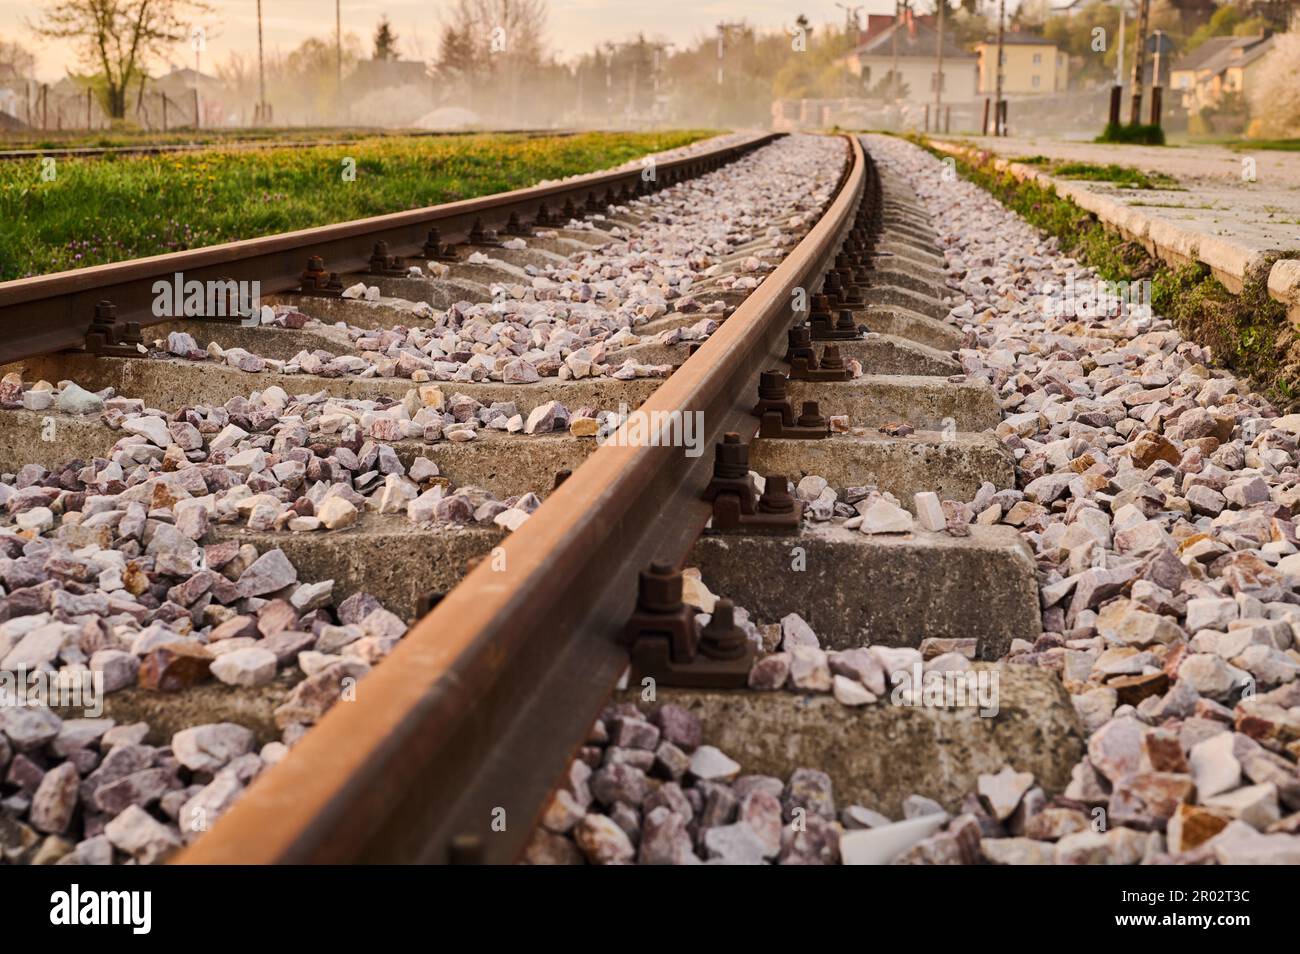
(1220, 65)
(1031, 66)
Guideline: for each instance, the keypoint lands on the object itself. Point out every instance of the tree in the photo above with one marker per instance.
(1194, 12)
(15, 61)
(1275, 94)
(116, 37)
(1230, 20)
(477, 32)
(385, 41)
(1276, 14)
(492, 51)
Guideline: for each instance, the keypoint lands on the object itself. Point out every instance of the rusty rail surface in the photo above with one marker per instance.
(51, 313)
(469, 723)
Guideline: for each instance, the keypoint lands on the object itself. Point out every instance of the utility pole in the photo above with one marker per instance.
(260, 115)
(893, 39)
(1119, 61)
(723, 28)
(997, 83)
(660, 51)
(631, 89)
(850, 20)
(851, 38)
(1117, 91)
(938, 56)
(609, 77)
(338, 49)
(1155, 80)
(721, 32)
(1139, 64)
(197, 74)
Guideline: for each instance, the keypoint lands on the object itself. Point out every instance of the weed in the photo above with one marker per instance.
(1134, 134)
(1124, 176)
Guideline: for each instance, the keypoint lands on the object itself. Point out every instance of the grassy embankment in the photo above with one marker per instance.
(109, 209)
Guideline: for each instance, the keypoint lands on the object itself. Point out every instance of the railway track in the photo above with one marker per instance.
(410, 561)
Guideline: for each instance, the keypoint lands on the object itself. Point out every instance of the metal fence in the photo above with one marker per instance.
(41, 106)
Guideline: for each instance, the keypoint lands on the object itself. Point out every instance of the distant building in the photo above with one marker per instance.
(872, 61)
(178, 79)
(179, 84)
(1031, 66)
(1219, 66)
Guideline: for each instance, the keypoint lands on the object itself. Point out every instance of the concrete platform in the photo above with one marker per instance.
(889, 250)
(394, 308)
(879, 354)
(267, 341)
(518, 257)
(877, 755)
(1238, 227)
(926, 403)
(908, 223)
(170, 384)
(893, 272)
(387, 556)
(903, 322)
(213, 701)
(504, 464)
(888, 247)
(494, 271)
(562, 245)
(894, 354)
(903, 466)
(892, 296)
(910, 230)
(895, 589)
(50, 438)
(872, 400)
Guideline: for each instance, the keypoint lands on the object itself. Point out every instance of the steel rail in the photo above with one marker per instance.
(455, 741)
(51, 313)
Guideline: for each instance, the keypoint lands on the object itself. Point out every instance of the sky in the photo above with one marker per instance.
(574, 26)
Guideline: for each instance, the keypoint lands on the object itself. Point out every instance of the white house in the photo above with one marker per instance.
(873, 64)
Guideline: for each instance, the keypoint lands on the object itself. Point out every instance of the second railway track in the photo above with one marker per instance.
(357, 474)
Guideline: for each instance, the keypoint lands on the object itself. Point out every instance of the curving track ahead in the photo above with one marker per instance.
(477, 711)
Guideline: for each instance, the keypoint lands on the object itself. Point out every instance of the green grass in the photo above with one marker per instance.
(128, 137)
(1124, 176)
(100, 210)
(1283, 145)
(1135, 134)
(1247, 332)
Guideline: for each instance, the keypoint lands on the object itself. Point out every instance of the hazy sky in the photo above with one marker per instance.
(574, 25)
